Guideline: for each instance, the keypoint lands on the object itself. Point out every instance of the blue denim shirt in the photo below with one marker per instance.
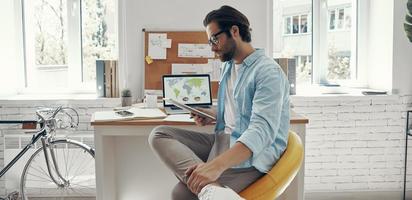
(261, 95)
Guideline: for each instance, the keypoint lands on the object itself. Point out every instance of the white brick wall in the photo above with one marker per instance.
(25, 109)
(352, 143)
(355, 142)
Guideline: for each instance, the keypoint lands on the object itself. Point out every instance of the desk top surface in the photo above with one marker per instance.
(294, 119)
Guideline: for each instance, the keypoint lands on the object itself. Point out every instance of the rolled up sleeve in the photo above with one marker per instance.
(266, 110)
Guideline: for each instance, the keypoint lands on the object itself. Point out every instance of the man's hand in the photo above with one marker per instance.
(202, 121)
(202, 174)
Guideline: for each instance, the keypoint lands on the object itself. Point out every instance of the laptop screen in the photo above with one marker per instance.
(193, 89)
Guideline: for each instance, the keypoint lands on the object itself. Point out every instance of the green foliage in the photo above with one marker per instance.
(408, 21)
(339, 66)
(98, 34)
(126, 93)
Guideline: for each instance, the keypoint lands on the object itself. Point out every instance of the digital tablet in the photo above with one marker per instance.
(190, 109)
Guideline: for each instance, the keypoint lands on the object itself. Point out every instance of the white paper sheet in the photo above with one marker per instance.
(167, 43)
(212, 68)
(157, 43)
(139, 113)
(195, 51)
(179, 118)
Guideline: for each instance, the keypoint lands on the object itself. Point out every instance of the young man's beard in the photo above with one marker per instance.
(231, 49)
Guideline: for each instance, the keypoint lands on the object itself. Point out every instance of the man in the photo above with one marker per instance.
(252, 118)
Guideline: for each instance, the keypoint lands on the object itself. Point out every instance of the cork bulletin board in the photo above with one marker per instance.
(156, 68)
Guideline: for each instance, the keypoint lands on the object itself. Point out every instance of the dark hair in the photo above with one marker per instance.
(226, 17)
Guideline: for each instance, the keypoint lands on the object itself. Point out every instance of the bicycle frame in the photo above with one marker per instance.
(34, 139)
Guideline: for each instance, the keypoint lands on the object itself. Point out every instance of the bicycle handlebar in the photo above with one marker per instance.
(45, 122)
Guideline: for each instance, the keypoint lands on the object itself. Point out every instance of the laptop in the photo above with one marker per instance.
(190, 89)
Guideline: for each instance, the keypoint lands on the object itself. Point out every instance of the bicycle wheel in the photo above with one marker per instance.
(76, 164)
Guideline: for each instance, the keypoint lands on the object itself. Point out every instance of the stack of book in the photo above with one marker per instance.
(107, 82)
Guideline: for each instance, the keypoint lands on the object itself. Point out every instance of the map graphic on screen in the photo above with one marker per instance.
(188, 90)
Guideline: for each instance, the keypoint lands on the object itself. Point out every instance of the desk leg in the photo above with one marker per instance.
(295, 191)
(105, 179)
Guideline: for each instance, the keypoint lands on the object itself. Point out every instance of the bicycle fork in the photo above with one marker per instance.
(56, 167)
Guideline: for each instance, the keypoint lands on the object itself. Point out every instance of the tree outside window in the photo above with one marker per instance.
(52, 27)
(50, 24)
(98, 35)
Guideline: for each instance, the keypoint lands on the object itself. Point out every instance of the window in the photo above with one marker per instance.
(325, 50)
(63, 39)
(304, 23)
(296, 24)
(339, 43)
(340, 18)
(303, 69)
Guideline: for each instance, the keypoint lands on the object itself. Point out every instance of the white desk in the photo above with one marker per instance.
(126, 168)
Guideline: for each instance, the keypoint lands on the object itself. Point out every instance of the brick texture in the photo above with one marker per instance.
(355, 143)
(25, 109)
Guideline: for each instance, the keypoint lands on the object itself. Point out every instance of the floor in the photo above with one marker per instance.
(316, 196)
(358, 196)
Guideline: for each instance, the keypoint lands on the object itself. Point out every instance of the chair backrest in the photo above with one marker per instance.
(274, 183)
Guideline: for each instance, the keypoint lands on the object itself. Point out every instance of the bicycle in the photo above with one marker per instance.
(59, 167)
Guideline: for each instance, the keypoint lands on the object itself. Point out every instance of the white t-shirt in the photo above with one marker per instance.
(222, 141)
(230, 111)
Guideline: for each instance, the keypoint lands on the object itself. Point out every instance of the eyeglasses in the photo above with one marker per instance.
(214, 40)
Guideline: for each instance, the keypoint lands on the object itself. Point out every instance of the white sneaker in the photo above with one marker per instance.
(213, 192)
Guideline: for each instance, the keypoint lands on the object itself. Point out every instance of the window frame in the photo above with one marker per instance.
(320, 25)
(74, 65)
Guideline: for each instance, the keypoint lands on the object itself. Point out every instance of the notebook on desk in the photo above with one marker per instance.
(137, 114)
(189, 89)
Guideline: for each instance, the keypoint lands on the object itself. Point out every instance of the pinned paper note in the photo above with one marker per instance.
(195, 51)
(212, 68)
(167, 43)
(149, 60)
(158, 43)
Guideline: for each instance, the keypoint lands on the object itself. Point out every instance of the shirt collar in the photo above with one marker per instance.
(250, 59)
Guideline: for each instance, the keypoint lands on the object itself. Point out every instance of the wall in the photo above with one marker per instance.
(176, 15)
(7, 49)
(390, 63)
(354, 142)
(379, 59)
(402, 51)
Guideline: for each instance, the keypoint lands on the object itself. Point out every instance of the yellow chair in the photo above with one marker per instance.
(272, 185)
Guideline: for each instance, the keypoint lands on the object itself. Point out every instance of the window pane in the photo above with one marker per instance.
(304, 23)
(348, 16)
(288, 25)
(295, 24)
(332, 20)
(45, 25)
(341, 18)
(98, 35)
(339, 45)
(298, 46)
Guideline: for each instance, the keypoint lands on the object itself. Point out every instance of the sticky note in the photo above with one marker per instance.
(149, 60)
